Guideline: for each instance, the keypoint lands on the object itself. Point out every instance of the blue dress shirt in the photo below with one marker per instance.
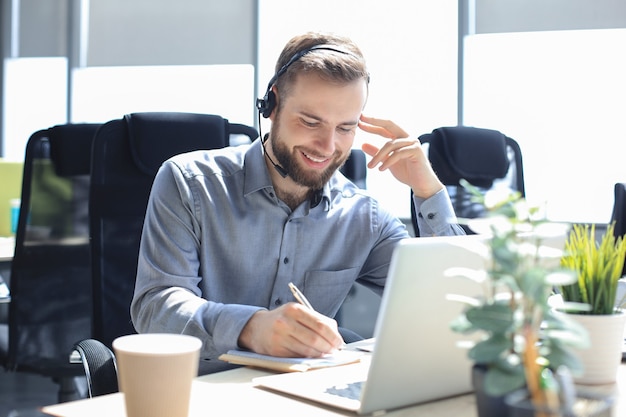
(218, 245)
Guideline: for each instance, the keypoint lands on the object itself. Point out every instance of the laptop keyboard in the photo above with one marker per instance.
(351, 390)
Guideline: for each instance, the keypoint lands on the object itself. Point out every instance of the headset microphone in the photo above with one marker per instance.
(282, 171)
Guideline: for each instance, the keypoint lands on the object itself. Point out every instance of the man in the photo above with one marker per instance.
(227, 230)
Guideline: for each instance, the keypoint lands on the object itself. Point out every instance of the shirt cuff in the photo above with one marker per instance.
(230, 324)
(435, 214)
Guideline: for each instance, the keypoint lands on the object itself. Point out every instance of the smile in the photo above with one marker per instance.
(314, 159)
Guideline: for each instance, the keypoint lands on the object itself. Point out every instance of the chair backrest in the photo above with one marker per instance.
(355, 168)
(619, 209)
(50, 285)
(618, 216)
(126, 156)
(486, 158)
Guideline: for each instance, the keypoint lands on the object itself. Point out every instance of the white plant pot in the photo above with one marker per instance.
(602, 359)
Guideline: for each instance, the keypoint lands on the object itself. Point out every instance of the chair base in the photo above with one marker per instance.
(71, 388)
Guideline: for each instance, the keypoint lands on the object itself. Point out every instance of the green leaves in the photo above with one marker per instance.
(491, 349)
(493, 318)
(522, 334)
(501, 380)
(598, 267)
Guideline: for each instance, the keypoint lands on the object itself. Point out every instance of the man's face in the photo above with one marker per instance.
(314, 127)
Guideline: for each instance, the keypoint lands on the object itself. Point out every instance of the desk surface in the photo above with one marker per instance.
(233, 391)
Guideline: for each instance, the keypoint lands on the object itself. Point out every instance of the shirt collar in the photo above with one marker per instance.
(256, 175)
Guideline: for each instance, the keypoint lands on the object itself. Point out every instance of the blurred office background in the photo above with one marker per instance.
(549, 74)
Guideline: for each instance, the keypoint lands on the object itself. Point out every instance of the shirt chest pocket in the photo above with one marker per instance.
(326, 290)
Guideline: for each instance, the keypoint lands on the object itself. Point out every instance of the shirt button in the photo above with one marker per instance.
(431, 216)
(420, 215)
(271, 194)
(278, 302)
(286, 260)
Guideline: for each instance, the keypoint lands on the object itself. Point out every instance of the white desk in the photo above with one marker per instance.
(232, 391)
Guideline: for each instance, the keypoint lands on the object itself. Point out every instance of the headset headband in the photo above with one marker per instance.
(266, 104)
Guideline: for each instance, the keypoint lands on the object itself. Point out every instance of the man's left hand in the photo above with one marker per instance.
(401, 155)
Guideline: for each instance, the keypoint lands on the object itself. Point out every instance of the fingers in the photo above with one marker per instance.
(314, 334)
(391, 153)
(403, 156)
(370, 149)
(381, 127)
(291, 330)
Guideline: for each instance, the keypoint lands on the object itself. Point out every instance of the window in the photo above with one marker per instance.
(100, 94)
(562, 96)
(35, 97)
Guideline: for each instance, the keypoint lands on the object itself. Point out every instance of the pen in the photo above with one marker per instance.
(299, 296)
(302, 300)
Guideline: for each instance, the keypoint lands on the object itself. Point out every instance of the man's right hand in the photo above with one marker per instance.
(291, 330)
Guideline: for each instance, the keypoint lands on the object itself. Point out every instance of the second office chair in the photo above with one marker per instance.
(486, 158)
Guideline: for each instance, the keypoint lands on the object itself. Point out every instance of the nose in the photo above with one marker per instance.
(325, 141)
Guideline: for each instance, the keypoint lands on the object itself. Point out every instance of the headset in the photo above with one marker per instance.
(266, 104)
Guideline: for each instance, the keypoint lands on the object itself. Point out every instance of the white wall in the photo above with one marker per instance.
(498, 16)
(165, 32)
(35, 97)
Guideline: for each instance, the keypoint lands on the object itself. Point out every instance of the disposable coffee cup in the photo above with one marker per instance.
(155, 373)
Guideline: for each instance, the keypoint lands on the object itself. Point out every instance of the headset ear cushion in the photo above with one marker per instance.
(270, 103)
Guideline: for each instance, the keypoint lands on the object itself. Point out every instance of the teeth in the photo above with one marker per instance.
(315, 159)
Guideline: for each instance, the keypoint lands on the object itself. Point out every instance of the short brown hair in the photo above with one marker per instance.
(343, 67)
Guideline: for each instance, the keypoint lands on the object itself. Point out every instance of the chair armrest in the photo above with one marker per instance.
(100, 366)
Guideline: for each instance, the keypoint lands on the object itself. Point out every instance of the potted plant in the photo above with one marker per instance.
(592, 299)
(524, 340)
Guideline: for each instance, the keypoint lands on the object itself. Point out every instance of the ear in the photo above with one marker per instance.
(272, 98)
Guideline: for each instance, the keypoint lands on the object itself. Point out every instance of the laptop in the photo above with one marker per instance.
(416, 358)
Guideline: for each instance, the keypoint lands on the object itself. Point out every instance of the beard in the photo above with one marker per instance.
(313, 179)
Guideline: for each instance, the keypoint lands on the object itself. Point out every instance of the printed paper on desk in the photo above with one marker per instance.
(244, 357)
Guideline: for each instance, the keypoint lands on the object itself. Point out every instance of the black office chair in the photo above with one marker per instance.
(126, 156)
(355, 168)
(51, 306)
(618, 216)
(486, 158)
